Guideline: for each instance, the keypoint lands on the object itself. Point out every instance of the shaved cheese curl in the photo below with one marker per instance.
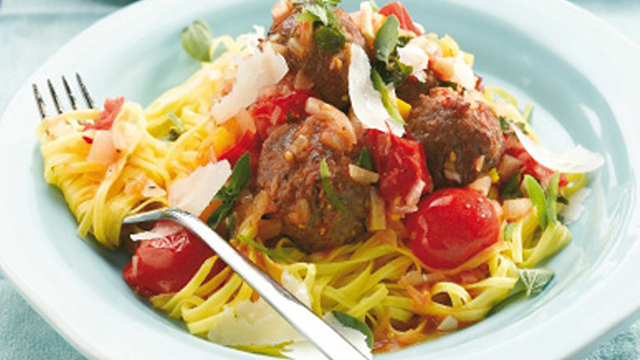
(193, 193)
(255, 72)
(365, 100)
(575, 161)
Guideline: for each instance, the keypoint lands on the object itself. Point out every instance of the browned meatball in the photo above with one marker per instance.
(289, 171)
(461, 139)
(411, 89)
(327, 70)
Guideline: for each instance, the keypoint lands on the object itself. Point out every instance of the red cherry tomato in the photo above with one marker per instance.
(396, 8)
(112, 108)
(278, 109)
(451, 226)
(248, 142)
(166, 265)
(402, 166)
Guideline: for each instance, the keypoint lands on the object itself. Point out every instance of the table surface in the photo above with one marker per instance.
(32, 30)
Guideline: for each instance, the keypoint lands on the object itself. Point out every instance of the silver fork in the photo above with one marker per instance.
(331, 343)
(42, 107)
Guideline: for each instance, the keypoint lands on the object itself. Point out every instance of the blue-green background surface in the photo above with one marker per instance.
(32, 30)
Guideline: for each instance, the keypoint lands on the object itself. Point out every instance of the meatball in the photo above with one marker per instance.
(328, 71)
(289, 171)
(411, 89)
(461, 138)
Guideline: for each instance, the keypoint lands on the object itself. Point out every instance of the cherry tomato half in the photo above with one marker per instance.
(279, 108)
(451, 226)
(166, 265)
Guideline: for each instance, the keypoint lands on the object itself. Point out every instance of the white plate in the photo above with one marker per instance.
(581, 75)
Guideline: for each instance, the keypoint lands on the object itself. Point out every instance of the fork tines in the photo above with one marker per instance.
(42, 108)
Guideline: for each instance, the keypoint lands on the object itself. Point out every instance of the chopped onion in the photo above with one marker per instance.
(193, 193)
(102, 150)
(515, 209)
(361, 175)
(151, 190)
(448, 324)
(255, 72)
(377, 215)
(415, 57)
(575, 161)
(481, 185)
(365, 100)
(161, 230)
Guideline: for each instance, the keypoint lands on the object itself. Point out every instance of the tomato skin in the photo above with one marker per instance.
(451, 226)
(166, 265)
(397, 8)
(247, 142)
(112, 108)
(278, 109)
(401, 164)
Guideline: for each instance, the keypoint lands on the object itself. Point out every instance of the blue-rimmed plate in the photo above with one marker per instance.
(580, 74)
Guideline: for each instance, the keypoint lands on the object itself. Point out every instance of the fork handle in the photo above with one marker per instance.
(324, 337)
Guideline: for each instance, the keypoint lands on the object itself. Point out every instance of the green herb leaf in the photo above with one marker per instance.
(511, 189)
(374, 5)
(508, 230)
(389, 103)
(228, 195)
(353, 323)
(278, 255)
(387, 39)
(535, 280)
(176, 130)
(552, 198)
(318, 12)
(395, 72)
(325, 175)
(329, 39)
(530, 282)
(365, 160)
(196, 40)
(535, 193)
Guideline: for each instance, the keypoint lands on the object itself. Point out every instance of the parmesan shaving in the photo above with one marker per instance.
(575, 161)
(193, 193)
(365, 100)
(255, 72)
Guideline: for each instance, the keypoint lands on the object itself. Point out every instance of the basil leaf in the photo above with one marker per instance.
(329, 39)
(552, 198)
(196, 40)
(228, 195)
(365, 160)
(389, 103)
(353, 323)
(535, 193)
(530, 282)
(241, 174)
(535, 280)
(325, 176)
(387, 38)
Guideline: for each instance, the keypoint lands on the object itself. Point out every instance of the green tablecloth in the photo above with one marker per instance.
(32, 30)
